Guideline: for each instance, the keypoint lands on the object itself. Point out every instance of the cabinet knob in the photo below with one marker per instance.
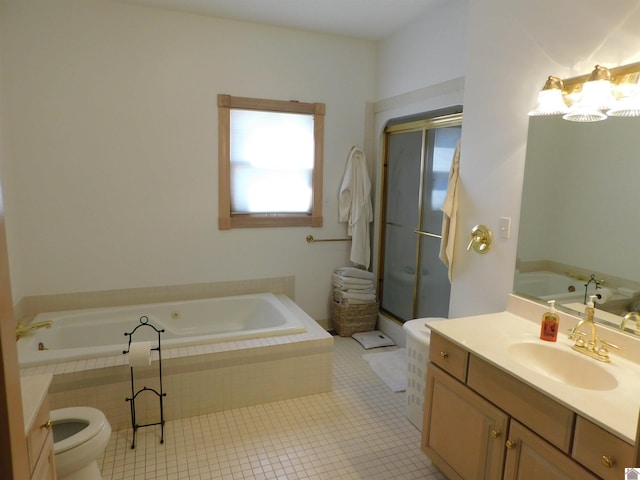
(608, 461)
(444, 355)
(47, 425)
(510, 444)
(495, 433)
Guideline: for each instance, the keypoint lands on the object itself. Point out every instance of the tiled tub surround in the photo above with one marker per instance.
(200, 379)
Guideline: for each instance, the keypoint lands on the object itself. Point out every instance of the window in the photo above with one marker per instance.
(270, 163)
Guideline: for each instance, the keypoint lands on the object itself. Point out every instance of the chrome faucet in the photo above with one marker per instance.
(22, 331)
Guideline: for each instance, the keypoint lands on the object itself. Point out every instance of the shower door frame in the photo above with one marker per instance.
(441, 120)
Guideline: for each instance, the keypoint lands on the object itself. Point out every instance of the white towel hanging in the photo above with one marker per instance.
(354, 205)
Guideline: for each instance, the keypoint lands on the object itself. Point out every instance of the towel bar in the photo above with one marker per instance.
(310, 239)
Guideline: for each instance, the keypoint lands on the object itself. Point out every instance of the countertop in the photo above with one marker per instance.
(489, 336)
(34, 390)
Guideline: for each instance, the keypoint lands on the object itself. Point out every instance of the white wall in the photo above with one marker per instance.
(513, 46)
(429, 51)
(112, 145)
(111, 131)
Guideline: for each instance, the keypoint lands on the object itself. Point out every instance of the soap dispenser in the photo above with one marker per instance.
(550, 322)
(589, 311)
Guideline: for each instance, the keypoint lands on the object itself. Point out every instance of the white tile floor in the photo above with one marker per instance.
(358, 431)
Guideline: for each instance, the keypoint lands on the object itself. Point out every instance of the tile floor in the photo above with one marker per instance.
(358, 431)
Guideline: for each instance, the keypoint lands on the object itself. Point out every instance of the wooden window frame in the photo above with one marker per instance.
(227, 220)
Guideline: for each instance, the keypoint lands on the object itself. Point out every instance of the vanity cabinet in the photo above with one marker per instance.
(40, 446)
(464, 431)
(600, 451)
(38, 431)
(482, 423)
(529, 457)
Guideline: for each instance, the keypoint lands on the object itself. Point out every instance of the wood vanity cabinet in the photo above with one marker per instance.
(40, 445)
(465, 434)
(482, 423)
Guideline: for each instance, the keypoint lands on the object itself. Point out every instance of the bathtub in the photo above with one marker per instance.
(251, 349)
(556, 286)
(543, 284)
(99, 332)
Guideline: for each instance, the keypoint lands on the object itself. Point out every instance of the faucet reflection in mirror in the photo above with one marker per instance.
(603, 93)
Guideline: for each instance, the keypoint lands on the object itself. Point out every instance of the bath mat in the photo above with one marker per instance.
(373, 339)
(390, 366)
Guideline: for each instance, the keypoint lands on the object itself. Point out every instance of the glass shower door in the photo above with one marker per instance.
(433, 289)
(403, 183)
(414, 281)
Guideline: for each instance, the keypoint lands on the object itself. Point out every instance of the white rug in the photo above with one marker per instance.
(390, 366)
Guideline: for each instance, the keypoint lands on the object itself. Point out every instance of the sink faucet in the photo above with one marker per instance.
(593, 336)
(629, 316)
(22, 331)
(590, 346)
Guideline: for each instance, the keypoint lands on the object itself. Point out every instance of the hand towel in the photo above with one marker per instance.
(354, 206)
(339, 296)
(354, 272)
(339, 279)
(353, 288)
(450, 210)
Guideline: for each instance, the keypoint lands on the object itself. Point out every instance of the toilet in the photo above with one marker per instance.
(80, 437)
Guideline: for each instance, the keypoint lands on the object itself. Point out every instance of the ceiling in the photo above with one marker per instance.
(365, 19)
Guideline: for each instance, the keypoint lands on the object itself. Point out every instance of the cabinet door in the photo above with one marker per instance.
(601, 451)
(529, 457)
(463, 434)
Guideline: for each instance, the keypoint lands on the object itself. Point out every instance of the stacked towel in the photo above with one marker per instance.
(353, 286)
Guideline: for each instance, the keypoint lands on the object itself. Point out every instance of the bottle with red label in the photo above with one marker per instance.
(550, 323)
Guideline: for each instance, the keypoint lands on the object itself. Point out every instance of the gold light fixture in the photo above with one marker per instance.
(591, 98)
(550, 101)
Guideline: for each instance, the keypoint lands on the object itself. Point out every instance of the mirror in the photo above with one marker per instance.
(579, 222)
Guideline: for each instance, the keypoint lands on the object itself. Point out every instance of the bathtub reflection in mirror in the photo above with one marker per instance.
(579, 216)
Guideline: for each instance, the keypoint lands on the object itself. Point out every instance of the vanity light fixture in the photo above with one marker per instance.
(597, 97)
(550, 101)
(628, 104)
(591, 98)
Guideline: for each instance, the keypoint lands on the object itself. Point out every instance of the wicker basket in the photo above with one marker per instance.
(349, 319)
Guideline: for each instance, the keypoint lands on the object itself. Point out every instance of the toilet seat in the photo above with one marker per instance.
(93, 417)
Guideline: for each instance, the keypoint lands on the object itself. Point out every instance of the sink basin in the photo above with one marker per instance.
(564, 366)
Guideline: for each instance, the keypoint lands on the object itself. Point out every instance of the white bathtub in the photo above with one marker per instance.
(253, 349)
(99, 332)
(544, 284)
(556, 286)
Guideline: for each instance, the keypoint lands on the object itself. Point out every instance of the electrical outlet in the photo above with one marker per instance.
(504, 227)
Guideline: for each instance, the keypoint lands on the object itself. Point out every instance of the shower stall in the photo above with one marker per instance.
(413, 282)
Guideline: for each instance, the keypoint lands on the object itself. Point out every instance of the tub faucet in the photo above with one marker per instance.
(22, 331)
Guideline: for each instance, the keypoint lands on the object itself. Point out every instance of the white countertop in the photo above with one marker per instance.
(489, 336)
(34, 389)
